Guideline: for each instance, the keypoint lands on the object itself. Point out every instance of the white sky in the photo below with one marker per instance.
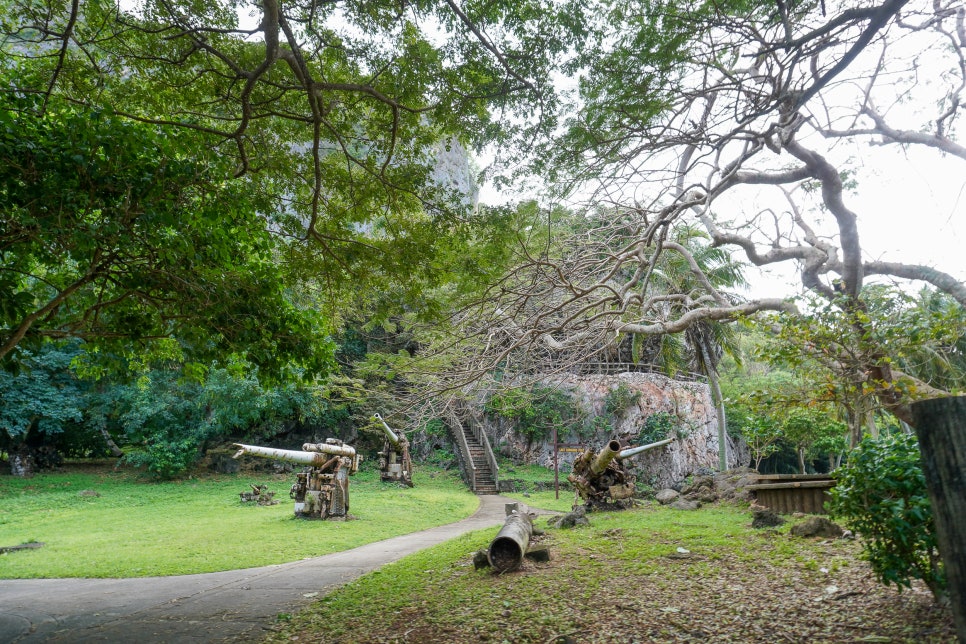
(911, 207)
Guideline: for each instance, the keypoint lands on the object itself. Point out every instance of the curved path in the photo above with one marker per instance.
(231, 606)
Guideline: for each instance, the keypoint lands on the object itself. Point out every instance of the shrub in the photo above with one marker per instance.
(537, 410)
(881, 494)
(660, 426)
(619, 399)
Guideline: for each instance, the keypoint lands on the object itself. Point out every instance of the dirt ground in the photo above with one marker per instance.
(691, 599)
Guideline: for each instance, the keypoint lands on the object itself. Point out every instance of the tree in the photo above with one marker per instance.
(38, 404)
(804, 428)
(112, 231)
(335, 110)
(707, 339)
(759, 105)
(829, 345)
(763, 105)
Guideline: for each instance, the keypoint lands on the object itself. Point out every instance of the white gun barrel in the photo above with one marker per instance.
(287, 455)
(633, 451)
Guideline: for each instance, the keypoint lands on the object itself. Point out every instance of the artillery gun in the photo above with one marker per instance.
(321, 489)
(601, 479)
(394, 462)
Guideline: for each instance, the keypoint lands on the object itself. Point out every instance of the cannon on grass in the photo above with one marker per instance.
(394, 462)
(513, 542)
(601, 479)
(321, 489)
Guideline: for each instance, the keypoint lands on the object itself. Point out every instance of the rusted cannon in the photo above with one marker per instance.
(510, 545)
(394, 462)
(601, 479)
(321, 490)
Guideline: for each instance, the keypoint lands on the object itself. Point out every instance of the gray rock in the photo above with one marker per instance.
(817, 527)
(704, 494)
(666, 495)
(571, 519)
(766, 519)
(685, 504)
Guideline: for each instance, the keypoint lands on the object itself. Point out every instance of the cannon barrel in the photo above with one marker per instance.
(391, 435)
(307, 457)
(608, 454)
(329, 448)
(633, 451)
(507, 550)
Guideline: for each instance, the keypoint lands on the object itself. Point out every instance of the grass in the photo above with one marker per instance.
(651, 574)
(544, 499)
(135, 528)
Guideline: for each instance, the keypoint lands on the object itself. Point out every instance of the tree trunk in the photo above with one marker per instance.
(111, 445)
(941, 427)
(22, 462)
(718, 400)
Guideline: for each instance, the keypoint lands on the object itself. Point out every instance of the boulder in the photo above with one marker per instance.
(817, 527)
(666, 496)
(685, 504)
(766, 519)
(571, 519)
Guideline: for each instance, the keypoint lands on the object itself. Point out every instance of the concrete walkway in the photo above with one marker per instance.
(231, 606)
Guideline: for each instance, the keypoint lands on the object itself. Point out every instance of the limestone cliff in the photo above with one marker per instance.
(688, 404)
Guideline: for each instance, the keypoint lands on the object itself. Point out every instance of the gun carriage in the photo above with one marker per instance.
(394, 461)
(321, 489)
(602, 480)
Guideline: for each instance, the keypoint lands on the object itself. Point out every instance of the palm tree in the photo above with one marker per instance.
(704, 343)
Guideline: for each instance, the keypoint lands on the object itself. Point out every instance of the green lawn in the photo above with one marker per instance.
(136, 528)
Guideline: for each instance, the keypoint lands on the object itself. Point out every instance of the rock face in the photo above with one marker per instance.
(688, 403)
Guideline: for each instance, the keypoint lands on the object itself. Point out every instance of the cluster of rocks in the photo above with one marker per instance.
(812, 526)
(708, 487)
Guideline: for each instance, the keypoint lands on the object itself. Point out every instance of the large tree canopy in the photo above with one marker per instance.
(113, 231)
(338, 109)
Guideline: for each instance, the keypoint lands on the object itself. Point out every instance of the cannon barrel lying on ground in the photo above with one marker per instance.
(508, 548)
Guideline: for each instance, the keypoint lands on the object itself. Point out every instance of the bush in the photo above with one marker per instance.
(660, 426)
(537, 410)
(881, 494)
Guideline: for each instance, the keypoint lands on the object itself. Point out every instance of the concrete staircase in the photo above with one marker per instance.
(485, 476)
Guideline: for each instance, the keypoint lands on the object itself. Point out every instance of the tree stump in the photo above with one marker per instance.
(941, 427)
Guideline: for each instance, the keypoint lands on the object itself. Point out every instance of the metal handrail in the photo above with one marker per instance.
(605, 368)
(465, 448)
(487, 451)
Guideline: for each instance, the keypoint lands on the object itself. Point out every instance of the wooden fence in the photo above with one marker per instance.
(788, 493)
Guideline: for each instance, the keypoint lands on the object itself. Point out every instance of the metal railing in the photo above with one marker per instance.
(465, 450)
(480, 436)
(611, 368)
